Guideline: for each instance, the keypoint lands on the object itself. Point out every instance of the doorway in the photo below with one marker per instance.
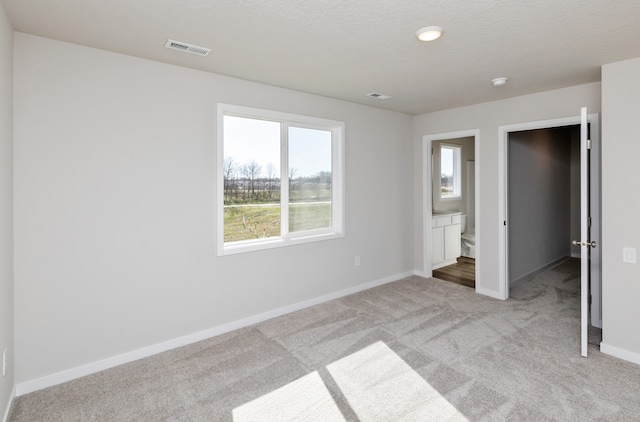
(539, 223)
(447, 204)
(543, 198)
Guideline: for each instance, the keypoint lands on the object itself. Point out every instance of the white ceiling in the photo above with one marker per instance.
(347, 48)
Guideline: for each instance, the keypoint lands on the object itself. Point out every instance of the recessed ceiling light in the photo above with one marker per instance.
(502, 81)
(429, 33)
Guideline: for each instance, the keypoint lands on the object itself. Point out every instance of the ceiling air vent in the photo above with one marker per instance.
(187, 48)
(378, 96)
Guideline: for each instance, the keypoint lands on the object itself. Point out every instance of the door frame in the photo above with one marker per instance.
(596, 204)
(427, 192)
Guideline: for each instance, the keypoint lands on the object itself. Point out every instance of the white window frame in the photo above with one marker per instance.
(457, 172)
(287, 238)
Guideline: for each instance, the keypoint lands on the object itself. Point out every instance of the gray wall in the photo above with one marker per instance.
(467, 153)
(539, 194)
(115, 206)
(6, 207)
(620, 208)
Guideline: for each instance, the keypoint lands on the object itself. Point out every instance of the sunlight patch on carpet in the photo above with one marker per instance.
(305, 399)
(380, 386)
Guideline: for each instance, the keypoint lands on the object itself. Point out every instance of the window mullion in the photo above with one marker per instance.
(337, 172)
(284, 179)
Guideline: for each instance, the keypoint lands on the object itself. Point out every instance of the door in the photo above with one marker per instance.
(589, 194)
(585, 242)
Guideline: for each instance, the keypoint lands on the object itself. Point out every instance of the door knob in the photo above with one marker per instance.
(590, 244)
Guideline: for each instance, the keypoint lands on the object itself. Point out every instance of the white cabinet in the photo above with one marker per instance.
(437, 246)
(445, 240)
(452, 249)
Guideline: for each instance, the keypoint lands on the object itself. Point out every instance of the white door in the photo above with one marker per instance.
(585, 238)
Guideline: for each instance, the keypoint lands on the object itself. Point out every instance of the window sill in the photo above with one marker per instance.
(253, 246)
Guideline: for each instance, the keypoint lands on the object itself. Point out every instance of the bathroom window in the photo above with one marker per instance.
(450, 171)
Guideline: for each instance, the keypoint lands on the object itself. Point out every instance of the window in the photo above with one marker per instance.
(450, 171)
(280, 179)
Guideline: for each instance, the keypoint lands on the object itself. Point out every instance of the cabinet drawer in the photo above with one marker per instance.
(445, 220)
(455, 219)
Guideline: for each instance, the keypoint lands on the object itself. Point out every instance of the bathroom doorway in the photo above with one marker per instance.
(450, 195)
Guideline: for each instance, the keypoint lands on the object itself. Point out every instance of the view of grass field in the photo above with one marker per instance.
(247, 222)
(307, 216)
(256, 177)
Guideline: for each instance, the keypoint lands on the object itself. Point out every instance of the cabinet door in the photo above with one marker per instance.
(452, 242)
(437, 245)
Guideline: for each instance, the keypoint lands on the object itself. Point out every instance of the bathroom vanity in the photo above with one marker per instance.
(445, 239)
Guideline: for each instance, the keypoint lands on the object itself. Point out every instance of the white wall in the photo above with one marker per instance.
(6, 207)
(114, 206)
(487, 117)
(620, 208)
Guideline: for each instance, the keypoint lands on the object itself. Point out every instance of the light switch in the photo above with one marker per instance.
(629, 255)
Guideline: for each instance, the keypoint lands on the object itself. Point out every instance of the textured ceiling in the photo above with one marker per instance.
(346, 49)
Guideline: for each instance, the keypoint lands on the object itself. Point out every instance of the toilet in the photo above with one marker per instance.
(467, 238)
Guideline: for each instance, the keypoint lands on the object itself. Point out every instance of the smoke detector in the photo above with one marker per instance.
(187, 48)
(497, 82)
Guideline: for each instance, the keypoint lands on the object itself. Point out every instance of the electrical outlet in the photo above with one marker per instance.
(4, 363)
(356, 261)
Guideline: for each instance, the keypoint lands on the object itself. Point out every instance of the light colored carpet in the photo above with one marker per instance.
(380, 386)
(389, 352)
(305, 399)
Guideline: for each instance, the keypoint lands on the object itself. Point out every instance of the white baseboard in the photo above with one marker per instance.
(444, 264)
(7, 411)
(91, 368)
(491, 293)
(620, 353)
(537, 271)
(597, 323)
